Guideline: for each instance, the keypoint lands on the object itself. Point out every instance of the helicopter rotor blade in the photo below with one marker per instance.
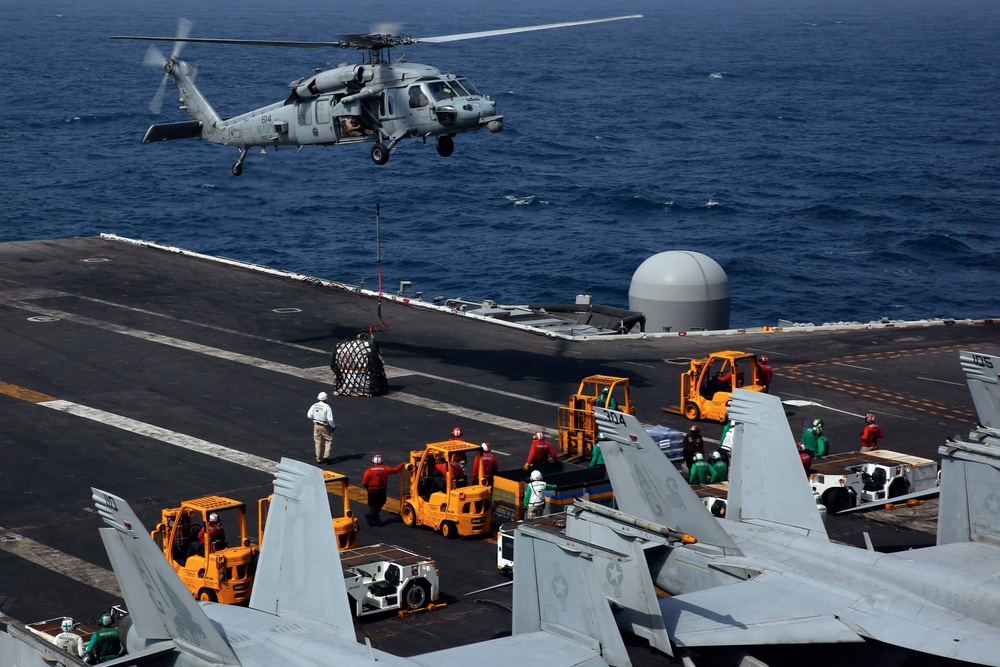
(157, 102)
(154, 57)
(243, 42)
(183, 30)
(509, 31)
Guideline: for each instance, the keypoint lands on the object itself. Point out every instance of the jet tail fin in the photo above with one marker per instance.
(300, 531)
(764, 449)
(160, 608)
(648, 486)
(553, 594)
(982, 371)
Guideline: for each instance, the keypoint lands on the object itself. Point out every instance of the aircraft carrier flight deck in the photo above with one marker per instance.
(162, 377)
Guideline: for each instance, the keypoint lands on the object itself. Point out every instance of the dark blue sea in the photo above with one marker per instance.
(840, 160)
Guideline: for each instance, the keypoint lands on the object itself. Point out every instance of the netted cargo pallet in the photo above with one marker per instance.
(358, 369)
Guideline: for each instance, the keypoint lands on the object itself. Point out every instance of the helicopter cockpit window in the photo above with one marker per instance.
(468, 86)
(441, 91)
(417, 97)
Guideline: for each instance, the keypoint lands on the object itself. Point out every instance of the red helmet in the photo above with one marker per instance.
(763, 358)
(870, 418)
(456, 432)
(377, 458)
(539, 435)
(486, 446)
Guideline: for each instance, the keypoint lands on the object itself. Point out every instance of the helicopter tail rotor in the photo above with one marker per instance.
(155, 58)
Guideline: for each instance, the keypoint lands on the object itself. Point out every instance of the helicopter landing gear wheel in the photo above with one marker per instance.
(238, 167)
(445, 146)
(380, 154)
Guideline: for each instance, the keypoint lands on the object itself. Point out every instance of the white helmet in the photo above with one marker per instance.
(539, 435)
(67, 624)
(321, 396)
(715, 456)
(699, 456)
(486, 446)
(536, 475)
(213, 518)
(377, 458)
(106, 620)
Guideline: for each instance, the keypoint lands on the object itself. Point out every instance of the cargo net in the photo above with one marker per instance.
(357, 367)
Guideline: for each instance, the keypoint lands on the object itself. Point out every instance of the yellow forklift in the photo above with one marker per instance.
(442, 500)
(215, 566)
(577, 428)
(709, 382)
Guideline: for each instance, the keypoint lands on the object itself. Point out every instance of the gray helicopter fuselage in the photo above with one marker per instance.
(354, 103)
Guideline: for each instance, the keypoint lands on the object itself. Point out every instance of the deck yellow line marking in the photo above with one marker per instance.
(57, 561)
(24, 394)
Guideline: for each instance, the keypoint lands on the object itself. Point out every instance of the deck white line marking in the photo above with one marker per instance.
(163, 435)
(318, 373)
(477, 415)
(57, 561)
(957, 384)
(837, 363)
(636, 363)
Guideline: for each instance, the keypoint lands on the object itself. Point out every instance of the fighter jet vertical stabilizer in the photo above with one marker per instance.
(764, 455)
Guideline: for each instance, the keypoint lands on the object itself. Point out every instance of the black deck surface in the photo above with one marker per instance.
(206, 351)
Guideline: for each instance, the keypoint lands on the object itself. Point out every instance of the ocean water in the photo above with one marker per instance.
(840, 160)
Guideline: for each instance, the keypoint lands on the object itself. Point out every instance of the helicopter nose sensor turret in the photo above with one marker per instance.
(495, 125)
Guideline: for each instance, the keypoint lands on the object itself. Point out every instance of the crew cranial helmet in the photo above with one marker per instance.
(456, 432)
(715, 456)
(106, 620)
(536, 475)
(539, 435)
(321, 396)
(213, 518)
(869, 418)
(377, 458)
(763, 359)
(486, 446)
(67, 624)
(699, 456)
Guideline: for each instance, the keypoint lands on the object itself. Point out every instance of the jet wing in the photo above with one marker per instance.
(775, 609)
(521, 649)
(765, 610)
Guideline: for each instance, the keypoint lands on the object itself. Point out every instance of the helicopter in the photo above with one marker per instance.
(380, 101)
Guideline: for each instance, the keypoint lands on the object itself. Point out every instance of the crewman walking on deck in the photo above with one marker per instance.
(814, 441)
(104, 644)
(375, 480)
(701, 472)
(720, 471)
(534, 495)
(323, 427)
(488, 460)
(765, 372)
(541, 451)
(870, 434)
(692, 444)
(69, 641)
(596, 456)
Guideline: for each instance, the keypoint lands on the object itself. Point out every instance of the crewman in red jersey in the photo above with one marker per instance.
(765, 372)
(541, 451)
(375, 479)
(870, 434)
(489, 462)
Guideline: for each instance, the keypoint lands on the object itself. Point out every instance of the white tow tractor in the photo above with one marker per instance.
(383, 577)
(842, 481)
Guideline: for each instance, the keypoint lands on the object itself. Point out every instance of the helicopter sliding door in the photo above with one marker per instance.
(419, 110)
